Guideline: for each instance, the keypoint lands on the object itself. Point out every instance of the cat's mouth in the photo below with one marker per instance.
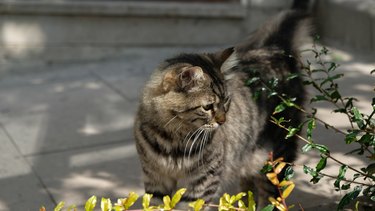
(211, 126)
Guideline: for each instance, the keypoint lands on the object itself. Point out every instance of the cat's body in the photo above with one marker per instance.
(198, 125)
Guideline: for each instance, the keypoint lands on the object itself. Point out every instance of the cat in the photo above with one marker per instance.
(199, 126)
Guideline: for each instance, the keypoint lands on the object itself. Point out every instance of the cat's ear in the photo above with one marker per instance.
(220, 57)
(169, 81)
(190, 78)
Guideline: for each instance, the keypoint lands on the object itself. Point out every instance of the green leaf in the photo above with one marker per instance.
(281, 107)
(106, 204)
(366, 139)
(271, 94)
(289, 102)
(358, 117)
(370, 169)
(322, 149)
(291, 132)
(177, 197)
(315, 175)
(335, 95)
(308, 170)
(252, 81)
(351, 137)
(292, 76)
(332, 66)
(331, 79)
(345, 186)
(269, 207)
(307, 147)
(342, 171)
(197, 205)
(318, 98)
(251, 201)
(289, 173)
(256, 95)
(311, 125)
(59, 206)
(321, 165)
(340, 176)
(90, 204)
(146, 201)
(274, 82)
(266, 168)
(349, 197)
(132, 198)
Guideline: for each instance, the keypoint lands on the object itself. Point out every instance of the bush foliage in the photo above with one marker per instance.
(322, 76)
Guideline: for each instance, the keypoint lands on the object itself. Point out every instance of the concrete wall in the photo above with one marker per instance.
(63, 30)
(347, 22)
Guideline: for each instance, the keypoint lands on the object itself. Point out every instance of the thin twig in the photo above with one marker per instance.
(346, 180)
(326, 154)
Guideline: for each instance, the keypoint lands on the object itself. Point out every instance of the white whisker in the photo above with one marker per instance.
(170, 121)
(195, 139)
(201, 148)
(188, 138)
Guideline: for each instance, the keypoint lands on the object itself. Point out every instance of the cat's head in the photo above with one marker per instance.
(191, 91)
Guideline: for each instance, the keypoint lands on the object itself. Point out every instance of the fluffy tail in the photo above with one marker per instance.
(286, 32)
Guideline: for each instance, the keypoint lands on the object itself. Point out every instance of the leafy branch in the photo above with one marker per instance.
(322, 77)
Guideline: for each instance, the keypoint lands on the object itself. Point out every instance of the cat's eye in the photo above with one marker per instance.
(208, 107)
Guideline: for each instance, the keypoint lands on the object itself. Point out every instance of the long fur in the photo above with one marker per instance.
(198, 125)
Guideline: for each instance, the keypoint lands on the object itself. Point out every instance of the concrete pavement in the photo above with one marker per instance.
(66, 129)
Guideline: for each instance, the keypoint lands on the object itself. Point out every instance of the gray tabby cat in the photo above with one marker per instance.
(198, 125)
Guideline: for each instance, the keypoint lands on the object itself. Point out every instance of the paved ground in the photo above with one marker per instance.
(66, 130)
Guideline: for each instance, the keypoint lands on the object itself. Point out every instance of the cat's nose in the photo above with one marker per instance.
(220, 119)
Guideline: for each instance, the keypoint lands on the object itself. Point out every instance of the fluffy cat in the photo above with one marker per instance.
(198, 125)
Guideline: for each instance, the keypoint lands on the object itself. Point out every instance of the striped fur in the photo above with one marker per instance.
(198, 126)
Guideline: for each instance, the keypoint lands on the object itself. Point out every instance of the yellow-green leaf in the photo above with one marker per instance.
(177, 197)
(285, 183)
(241, 204)
(240, 196)
(272, 177)
(106, 204)
(118, 208)
(226, 197)
(133, 197)
(279, 167)
(197, 205)
(90, 204)
(59, 206)
(251, 201)
(287, 191)
(146, 200)
(167, 202)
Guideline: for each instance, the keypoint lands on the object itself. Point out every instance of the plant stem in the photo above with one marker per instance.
(346, 180)
(325, 154)
(321, 63)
